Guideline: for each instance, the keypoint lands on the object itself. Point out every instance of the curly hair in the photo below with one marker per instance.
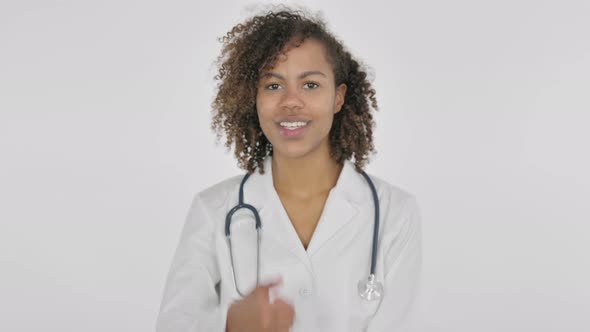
(254, 46)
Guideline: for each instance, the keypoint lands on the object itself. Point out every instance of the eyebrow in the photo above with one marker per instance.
(302, 75)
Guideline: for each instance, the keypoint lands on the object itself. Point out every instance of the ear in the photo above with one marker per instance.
(339, 99)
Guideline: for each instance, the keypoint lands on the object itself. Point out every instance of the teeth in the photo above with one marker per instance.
(293, 125)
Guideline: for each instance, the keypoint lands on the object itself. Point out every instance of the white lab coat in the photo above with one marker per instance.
(320, 282)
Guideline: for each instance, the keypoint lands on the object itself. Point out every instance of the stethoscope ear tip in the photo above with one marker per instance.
(370, 289)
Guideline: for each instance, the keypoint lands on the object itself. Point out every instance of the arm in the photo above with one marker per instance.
(190, 302)
(403, 263)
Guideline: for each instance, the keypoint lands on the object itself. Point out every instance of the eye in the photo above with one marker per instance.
(313, 84)
(272, 86)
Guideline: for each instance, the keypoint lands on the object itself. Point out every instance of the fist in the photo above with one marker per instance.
(255, 313)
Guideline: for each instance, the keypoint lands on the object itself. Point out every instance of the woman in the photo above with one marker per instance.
(295, 106)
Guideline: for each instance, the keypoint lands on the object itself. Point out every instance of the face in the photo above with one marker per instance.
(296, 101)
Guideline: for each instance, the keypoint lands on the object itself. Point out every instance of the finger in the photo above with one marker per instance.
(284, 313)
(278, 281)
(265, 291)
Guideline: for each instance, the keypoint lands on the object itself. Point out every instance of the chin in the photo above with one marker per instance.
(292, 151)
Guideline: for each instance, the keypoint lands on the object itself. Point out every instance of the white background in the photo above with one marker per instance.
(104, 138)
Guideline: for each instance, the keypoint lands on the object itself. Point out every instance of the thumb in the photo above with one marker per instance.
(278, 281)
(266, 289)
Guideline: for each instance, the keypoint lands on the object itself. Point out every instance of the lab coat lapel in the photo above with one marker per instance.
(277, 230)
(337, 213)
(340, 208)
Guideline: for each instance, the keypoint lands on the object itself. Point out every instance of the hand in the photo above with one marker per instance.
(255, 313)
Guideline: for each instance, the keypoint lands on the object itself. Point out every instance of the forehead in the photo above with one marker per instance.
(309, 55)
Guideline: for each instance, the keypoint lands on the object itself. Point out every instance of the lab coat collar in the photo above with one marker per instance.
(347, 186)
(341, 207)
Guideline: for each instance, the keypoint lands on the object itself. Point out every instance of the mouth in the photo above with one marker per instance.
(294, 129)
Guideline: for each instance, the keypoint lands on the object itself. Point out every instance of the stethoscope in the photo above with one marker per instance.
(369, 289)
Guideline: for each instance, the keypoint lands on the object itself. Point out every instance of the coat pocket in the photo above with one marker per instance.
(363, 312)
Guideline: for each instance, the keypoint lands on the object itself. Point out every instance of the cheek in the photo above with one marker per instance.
(327, 125)
(264, 108)
(262, 113)
(325, 117)
(265, 119)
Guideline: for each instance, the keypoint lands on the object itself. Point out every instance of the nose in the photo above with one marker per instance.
(291, 100)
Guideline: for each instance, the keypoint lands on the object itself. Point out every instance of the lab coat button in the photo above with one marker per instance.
(305, 292)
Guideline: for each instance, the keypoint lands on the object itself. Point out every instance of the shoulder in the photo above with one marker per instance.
(390, 193)
(398, 206)
(206, 205)
(214, 196)
(400, 234)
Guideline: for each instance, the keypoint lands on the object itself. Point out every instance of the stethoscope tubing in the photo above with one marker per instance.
(375, 225)
(242, 205)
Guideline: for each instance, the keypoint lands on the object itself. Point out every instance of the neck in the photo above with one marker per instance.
(305, 177)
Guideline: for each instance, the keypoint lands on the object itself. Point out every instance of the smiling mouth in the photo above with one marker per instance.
(293, 130)
(293, 125)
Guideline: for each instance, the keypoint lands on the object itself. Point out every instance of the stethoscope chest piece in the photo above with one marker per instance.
(370, 289)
